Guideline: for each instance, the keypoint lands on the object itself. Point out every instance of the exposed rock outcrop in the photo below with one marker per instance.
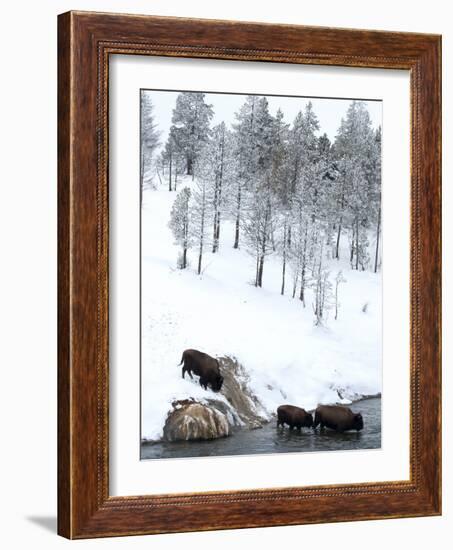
(236, 389)
(213, 417)
(191, 420)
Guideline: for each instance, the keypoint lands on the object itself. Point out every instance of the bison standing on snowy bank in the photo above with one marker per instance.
(295, 417)
(337, 418)
(204, 366)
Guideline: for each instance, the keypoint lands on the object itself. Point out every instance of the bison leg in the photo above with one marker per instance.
(187, 369)
(316, 421)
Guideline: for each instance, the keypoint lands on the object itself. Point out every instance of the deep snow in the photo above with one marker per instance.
(289, 360)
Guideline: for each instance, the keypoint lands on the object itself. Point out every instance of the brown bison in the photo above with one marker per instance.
(295, 417)
(204, 366)
(337, 418)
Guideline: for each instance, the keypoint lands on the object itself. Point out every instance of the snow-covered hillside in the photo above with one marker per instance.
(221, 312)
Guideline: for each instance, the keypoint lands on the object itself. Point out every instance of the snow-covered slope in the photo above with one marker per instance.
(289, 360)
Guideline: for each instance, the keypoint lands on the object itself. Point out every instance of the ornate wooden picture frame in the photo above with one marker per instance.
(85, 42)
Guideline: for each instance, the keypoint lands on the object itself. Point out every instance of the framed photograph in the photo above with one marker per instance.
(249, 275)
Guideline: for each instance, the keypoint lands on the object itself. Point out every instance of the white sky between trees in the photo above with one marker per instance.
(329, 111)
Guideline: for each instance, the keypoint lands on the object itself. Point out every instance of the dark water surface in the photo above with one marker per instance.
(271, 439)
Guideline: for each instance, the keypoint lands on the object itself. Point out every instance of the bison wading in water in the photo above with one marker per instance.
(204, 366)
(295, 417)
(337, 418)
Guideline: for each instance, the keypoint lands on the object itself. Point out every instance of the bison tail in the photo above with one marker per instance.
(182, 359)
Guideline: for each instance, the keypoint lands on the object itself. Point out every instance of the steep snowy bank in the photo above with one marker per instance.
(287, 358)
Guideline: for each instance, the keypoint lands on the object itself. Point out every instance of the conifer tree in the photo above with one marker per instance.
(190, 126)
(149, 136)
(180, 224)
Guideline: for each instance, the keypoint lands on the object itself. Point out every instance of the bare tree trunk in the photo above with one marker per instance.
(217, 202)
(283, 275)
(257, 268)
(266, 228)
(337, 250)
(295, 281)
(302, 285)
(337, 247)
(200, 255)
(219, 197)
(260, 271)
(336, 300)
(186, 235)
(282, 292)
(318, 308)
(217, 233)
(238, 217)
(214, 230)
(351, 257)
(378, 232)
(203, 213)
(261, 262)
(357, 245)
(303, 270)
(158, 175)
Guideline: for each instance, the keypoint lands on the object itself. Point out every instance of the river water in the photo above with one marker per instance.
(271, 439)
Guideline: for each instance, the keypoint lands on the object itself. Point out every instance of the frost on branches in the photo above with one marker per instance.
(287, 191)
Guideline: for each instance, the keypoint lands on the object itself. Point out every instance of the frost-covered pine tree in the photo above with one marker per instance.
(244, 138)
(180, 224)
(190, 122)
(354, 145)
(321, 285)
(149, 136)
(259, 213)
(219, 140)
(288, 191)
(339, 202)
(257, 226)
(376, 190)
(281, 185)
(304, 174)
(200, 213)
(174, 161)
(214, 166)
(309, 128)
(299, 250)
(325, 198)
(358, 203)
